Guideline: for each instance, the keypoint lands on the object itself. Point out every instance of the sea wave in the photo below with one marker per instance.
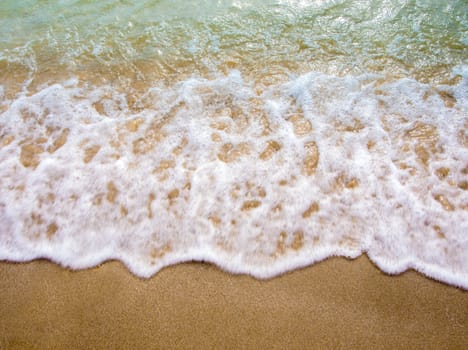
(257, 178)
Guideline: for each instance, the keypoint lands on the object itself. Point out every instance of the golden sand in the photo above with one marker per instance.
(333, 304)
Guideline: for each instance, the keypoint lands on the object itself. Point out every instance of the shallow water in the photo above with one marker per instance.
(262, 136)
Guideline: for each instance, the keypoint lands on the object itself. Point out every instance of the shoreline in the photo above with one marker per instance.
(337, 303)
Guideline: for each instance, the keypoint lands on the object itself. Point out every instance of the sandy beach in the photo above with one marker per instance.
(334, 304)
(261, 135)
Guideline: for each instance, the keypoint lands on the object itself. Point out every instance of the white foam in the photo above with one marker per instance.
(260, 184)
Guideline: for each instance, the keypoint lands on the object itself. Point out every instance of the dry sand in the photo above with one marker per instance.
(333, 304)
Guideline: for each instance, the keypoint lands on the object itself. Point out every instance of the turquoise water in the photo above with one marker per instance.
(262, 136)
(421, 38)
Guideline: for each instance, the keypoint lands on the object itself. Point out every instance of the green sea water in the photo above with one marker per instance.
(261, 136)
(422, 38)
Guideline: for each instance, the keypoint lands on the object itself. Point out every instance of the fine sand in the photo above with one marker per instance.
(333, 304)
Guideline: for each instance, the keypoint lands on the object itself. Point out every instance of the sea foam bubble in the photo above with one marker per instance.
(257, 181)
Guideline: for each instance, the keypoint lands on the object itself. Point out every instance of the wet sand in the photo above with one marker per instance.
(334, 304)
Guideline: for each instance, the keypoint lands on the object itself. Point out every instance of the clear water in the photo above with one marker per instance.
(258, 135)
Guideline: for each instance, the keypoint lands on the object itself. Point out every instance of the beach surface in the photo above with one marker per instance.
(337, 303)
(260, 136)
